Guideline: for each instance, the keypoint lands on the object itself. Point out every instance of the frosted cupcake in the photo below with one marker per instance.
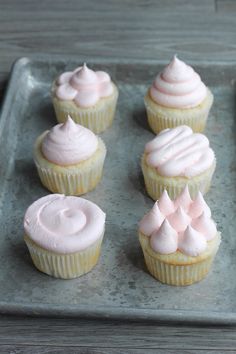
(178, 97)
(177, 157)
(64, 235)
(69, 158)
(88, 96)
(179, 239)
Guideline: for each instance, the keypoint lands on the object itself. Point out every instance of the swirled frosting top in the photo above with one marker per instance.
(69, 143)
(64, 224)
(172, 225)
(178, 86)
(179, 152)
(83, 86)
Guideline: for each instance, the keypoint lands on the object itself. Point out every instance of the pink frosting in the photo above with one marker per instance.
(84, 86)
(69, 143)
(179, 220)
(165, 204)
(178, 86)
(205, 225)
(177, 217)
(165, 239)
(192, 243)
(183, 200)
(179, 152)
(151, 221)
(199, 206)
(64, 224)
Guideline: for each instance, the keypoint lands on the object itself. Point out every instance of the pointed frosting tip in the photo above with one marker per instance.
(165, 239)
(151, 221)
(179, 220)
(192, 243)
(69, 124)
(199, 206)
(165, 204)
(184, 199)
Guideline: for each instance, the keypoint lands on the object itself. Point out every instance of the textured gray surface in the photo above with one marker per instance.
(119, 286)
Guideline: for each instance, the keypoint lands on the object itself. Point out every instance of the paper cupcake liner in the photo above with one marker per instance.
(71, 180)
(96, 119)
(182, 271)
(160, 118)
(155, 184)
(64, 266)
(71, 183)
(177, 275)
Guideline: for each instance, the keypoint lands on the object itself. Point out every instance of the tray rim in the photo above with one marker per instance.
(104, 312)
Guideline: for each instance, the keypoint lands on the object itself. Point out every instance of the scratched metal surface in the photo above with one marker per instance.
(119, 286)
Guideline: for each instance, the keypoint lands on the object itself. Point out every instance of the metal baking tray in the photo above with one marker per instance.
(120, 286)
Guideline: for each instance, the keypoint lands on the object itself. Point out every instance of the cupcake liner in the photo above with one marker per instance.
(97, 118)
(155, 184)
(178, 275)
(64, 266)
(81, 179)
(182, 270)
(160, 118)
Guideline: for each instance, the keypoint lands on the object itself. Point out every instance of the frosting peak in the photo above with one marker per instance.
(84, 86)
(199, 206)
(165, 204)
(151, 221)
(177, 71)
(179, 152)
(165, 240)
(192, 242)
(69, 143)
(179, 219)
(205, 225)
(178, 86)
(184, 200)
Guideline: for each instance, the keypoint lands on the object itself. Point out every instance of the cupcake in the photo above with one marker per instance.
(88, 96)
(69, 158)
(179, 239)
(178, 97)
(176, 157)
(64, 235)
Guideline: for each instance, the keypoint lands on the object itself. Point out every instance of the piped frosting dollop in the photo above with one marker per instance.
(64, 224)
(192, 243)
(69, 143)
(165, 239)
(169, 221)
(151, 221)
(179, 152)
(178, 86)
(83, 86)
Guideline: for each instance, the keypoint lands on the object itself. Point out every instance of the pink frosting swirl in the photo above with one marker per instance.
(84, 86)
(69, 143)
(183, 217)
(64, 224)
(179, 152)
(178, 86)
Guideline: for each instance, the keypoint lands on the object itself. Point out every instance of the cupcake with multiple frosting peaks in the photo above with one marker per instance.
(69, 158)
(88, 96)
(64, 235)
(176, 157)
(178, 97)
(179, 239)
